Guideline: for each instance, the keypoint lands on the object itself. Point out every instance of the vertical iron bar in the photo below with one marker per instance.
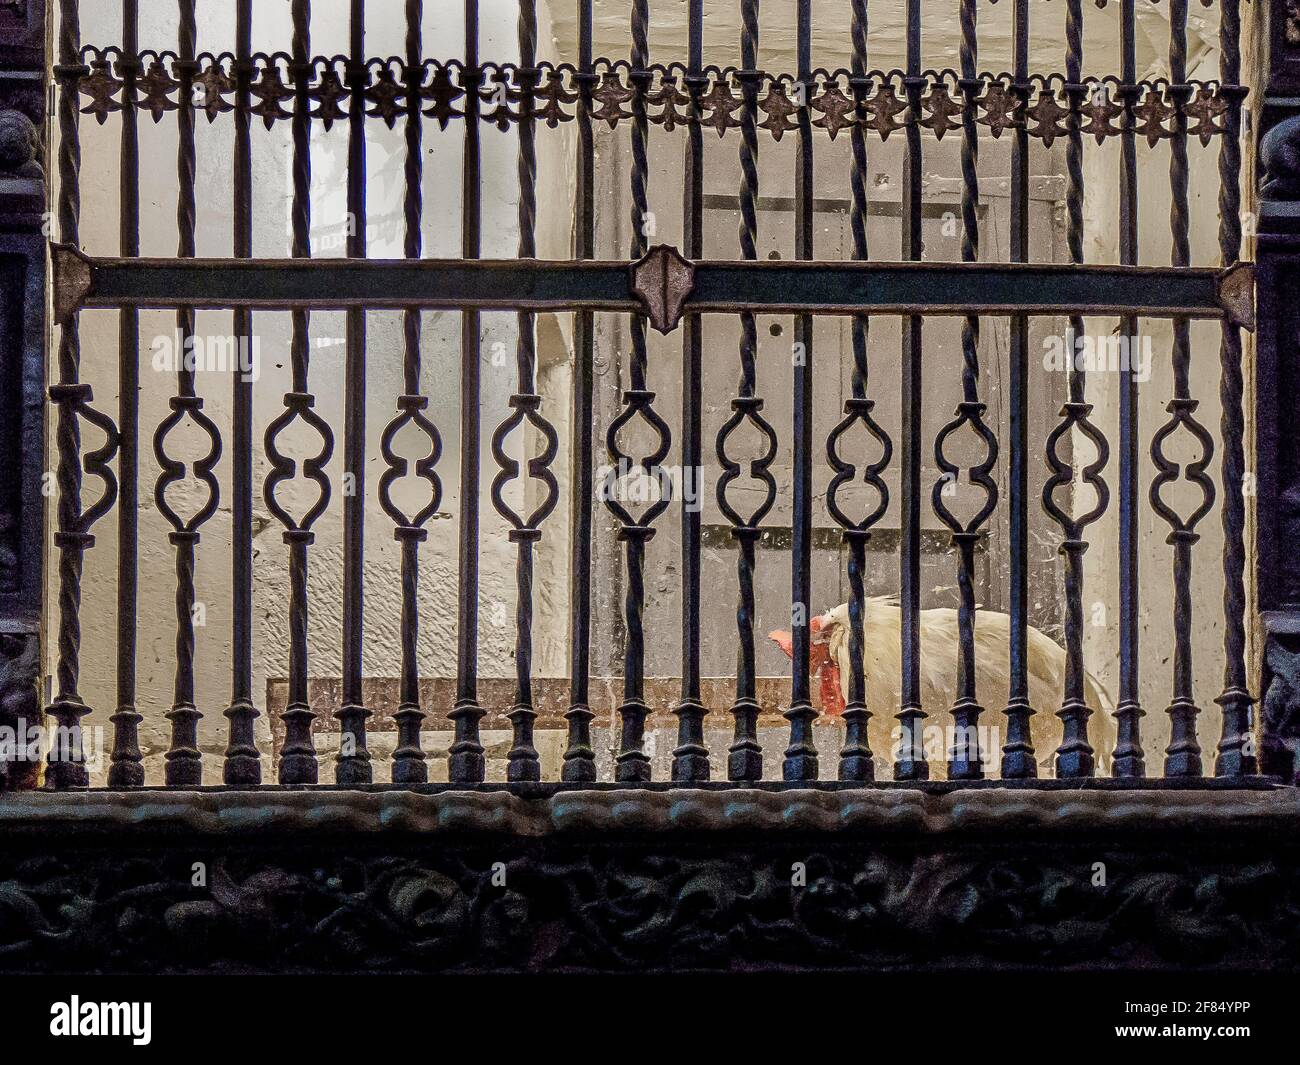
(1183, 755)
(910, 761)
(691, 757)
(409, 763)
(1017, 763)
(353, 762)
(857, 763)
(298, 763)
(579, 758)
(184, 762)
(745, 756)
(523, 762)
(66, 762)
(466, 764)
(1128, 759)
(243, 764)
(1074, 711)
(127, 764)
(632, 764)
(801, 756)
(1236, 755)
(965, 761)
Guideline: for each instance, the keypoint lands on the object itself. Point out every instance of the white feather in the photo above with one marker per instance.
(882, 666)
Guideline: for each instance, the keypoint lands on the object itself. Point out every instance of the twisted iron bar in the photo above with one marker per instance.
(1183, 755)
(184, 764)
(1236, 755)
(1074, 711)
(65, 765)
(523, 763)
(857, 763)
(745, 756)
(522, 760)
(965, 761)
(298, 763)
(66, 769)
(409, 760)
(632, 765)
(243, 761)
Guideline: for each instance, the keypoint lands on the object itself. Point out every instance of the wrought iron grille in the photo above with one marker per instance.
(667, 289)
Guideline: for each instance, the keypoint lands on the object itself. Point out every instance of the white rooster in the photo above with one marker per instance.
(882, 664)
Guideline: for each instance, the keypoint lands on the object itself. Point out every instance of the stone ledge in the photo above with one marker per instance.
(654, 880)
(899, 813)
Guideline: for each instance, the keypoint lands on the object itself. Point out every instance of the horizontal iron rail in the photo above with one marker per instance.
(773, 287)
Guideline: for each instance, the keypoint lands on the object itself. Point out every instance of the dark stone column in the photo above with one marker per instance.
(22, 378)
(1277, 405)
